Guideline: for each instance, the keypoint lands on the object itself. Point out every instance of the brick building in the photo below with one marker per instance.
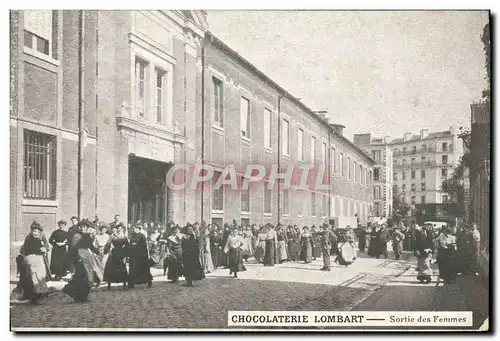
(104, 103)
(381, 153)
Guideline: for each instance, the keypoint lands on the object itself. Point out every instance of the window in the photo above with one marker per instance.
(218, 102)
(141, 86)
(424, 148)
(349, 168)
(245, 117)
(313, 204)
(323, 153)
(404, 150)
(403, 161)
(245, 198)
(413, 198)
(395, 175)
(366, 177)
(324, 198)
(360, 175)
(444, 159)
(342, 165)
(268, 197)
(423, 159)
(412, 174)
(444, 172)
(414, 150)
(40, 28)
(245, 222)
(218, 194)
(267, 128)
(413, 187)
(422, 199)
(300, 145)
(285, 202)
(370, 180)
(412, 160)
(376, 192)
(422, 187)
(445, 198)
(422, 174)
(404, 175)
(403, 188)
(39, 165)
(376, 174)
(286, 138)
(376, 209)
(355, 169)
(376, 155)
(313, 149)
(444, 145)
(160, 93)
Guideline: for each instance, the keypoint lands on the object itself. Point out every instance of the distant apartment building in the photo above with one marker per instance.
(421, 164)
(380, 152)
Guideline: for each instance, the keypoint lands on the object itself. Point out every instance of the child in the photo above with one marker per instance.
(424, 266)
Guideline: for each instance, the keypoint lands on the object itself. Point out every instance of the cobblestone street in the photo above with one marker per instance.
(289, 286)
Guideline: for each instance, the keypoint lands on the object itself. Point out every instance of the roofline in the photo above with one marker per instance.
(219, 43)
(425, 138)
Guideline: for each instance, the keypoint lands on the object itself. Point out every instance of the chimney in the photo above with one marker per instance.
(339, 128)
(452, 131)
(406, 136)
(424, 133)
(322, 113)
(386, 139)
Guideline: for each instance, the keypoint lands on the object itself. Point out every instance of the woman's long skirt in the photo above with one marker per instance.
(209, 265)
(291, 250)
(83, 278)
(282, 251)
(236, 261)
(162, 262)
(215, 252)
(270, 253)
(260, 251)
(32, 278)
(139, 270)
(306, 253)
(447, 264)
(248, 250)
(346, 254)
(59, 261)
(115, 270)
(175, 267)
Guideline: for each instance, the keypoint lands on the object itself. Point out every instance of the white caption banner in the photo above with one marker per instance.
(350, 318)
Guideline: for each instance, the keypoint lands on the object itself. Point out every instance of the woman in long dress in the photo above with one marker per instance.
(248, 249)
(260, 249)
(292, 246)
(59, 256)
(234, 245)
(82, 253)
(193, 270)
(115, 270)
(100, 242)
(215, 245)
(282, 248)
(306, 246)
(209, 265)
(174, 255)
(446, 243)
(32, 270)
(271, 241)
(139, 263)
(346, 249)
(316, 252)
(162, 241)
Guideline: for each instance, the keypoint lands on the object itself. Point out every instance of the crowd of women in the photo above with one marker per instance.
(91, 253)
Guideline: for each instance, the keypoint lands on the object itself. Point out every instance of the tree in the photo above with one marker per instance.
(454, 186)
(485, 38)
(400, 208)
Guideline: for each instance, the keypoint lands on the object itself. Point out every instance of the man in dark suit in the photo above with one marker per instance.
(325, 244)
(383, 237)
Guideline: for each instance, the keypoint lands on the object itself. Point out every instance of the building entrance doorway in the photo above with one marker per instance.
(147, 190)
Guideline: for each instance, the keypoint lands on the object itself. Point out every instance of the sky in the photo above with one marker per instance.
(379, 72)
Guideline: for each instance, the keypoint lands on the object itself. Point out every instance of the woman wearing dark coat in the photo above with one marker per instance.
(270, 253)
(447, 262)
(82, 253)
(59, 256)
(193, 271)
(139, 263)
(174, 255)
(215, 246)
(292, 244)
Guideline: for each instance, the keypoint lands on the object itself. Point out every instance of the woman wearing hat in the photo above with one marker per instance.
(59, 256)
(32, 270)
(271, 242)
(193, 270)
(116, 248)
(139, 269)
(174, 254)
(234, 245)
(82, 253)
(447, 245)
